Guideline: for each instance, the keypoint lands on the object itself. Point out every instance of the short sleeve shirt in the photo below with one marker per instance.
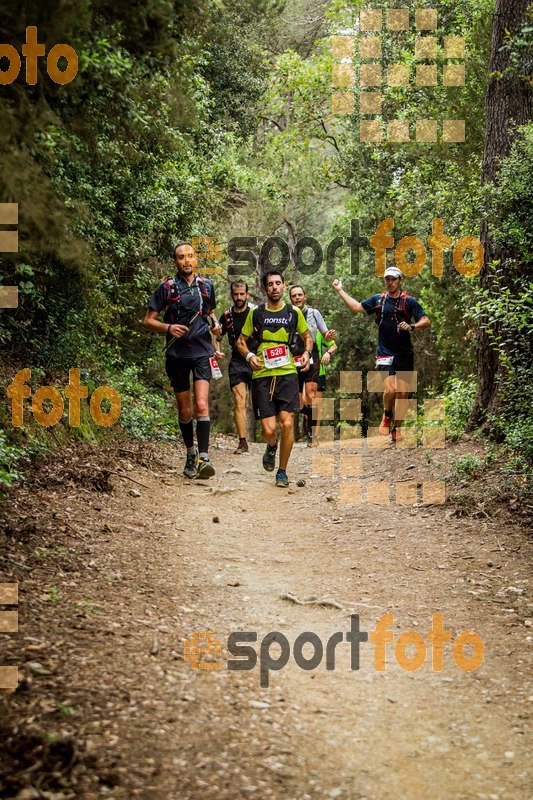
(197, 342)
(390, 341)
(275, 337)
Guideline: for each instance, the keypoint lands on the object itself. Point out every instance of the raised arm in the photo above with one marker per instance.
(353, 304)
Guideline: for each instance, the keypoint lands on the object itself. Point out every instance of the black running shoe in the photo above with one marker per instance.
(269, 457)
(189, 469)
(204, 469)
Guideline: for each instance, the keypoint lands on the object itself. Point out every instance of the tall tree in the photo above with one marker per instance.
(507, 106)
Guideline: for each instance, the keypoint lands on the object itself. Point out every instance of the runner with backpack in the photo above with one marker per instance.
(240, 372)
(188, 302)
(308, 379)
(275, 325)
(393, 312)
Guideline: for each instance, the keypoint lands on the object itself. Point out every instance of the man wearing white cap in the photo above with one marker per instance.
(394, 312)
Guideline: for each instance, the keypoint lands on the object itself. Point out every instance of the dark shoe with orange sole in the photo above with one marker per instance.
(396, 435)
(385, 425)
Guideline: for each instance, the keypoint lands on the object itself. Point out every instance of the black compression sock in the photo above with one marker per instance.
(305, 418)
(203, 426)
(187, 431)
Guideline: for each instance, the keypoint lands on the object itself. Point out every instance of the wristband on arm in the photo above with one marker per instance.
(249, 355)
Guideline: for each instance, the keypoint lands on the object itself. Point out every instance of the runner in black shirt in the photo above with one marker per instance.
(240, 372)
(393, 311)
(188, 302)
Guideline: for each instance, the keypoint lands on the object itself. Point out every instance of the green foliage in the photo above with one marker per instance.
(506, 310)
(460, 395)
(520, 49)
(145, 412)
(52, 594)
(469, 466)
(10, 458)
(510, 203)
(519, 440)
(110, 170)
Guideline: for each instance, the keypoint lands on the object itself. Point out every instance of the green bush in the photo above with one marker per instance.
(145, 411)
(519, 440)
(460, 396)
(10, 457)
(469, 466)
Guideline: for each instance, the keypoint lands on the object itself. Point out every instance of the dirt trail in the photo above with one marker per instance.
(158, 567)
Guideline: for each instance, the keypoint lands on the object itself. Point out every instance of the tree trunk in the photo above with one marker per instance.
(292, 238)
(507, 105)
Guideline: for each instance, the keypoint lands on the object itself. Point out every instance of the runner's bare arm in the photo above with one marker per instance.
(151, 323)
(307, 341)
(326, 358)
(216, 327)
(217, 344)
(242, 347)
(351, 302)
(308, 350)
(423, 322)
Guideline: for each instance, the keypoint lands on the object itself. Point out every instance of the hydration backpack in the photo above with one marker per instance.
(400, 304)
(261, 313)
(174, 297)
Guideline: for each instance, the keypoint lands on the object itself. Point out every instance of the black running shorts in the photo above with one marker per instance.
(272, 395)
(239, 372)
(402, 363)
(310, 375)
(179, 371)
